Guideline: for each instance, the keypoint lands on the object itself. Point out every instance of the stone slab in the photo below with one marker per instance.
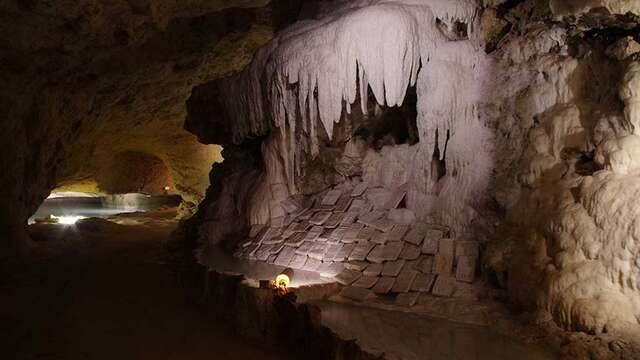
(344, 252)
(285, 256)
(361, 251)
(312, 264)
(277, 248)
(359, 189)
(271, 233)
(351, 235)
(356, 293)
(359, 206)
(425, 265)
(379, 237)
(377, 254)
(410, 252)
(416, 234)
(343, 204)
(356, 265)
(397, 232)
(423, 282)
(407, 299)
(366, 282)
(366, 233)
(330, 269)
(264, 252)
(370, 217)
(305, 248)
(318, 250)
(466, 268)
(246, 244)
(298, 261)
(443, 264)
(430, 245)
(384, 285)
(348, 219)
(325, 235)
(274, 240)
(467, 248)
(444, 286)
(331, 198)
(383, 225)
(314, 233)
(392, 268)
(334, 220)
(338, 233)
(447, 246)
(372, 270)
(331, 252)
(347, 277)
(404, 281)
(302, 226)
(296, 240)
(392, 251)
(395, 198)
(320, 217)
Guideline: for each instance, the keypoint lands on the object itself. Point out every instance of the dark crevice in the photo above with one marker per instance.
(438, 163)
(391, 125)
(453, 31)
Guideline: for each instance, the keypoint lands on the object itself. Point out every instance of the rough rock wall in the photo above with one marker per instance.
(535, 107)
(84, 81)
(567, 246)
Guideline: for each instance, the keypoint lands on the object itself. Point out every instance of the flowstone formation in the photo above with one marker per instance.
(525, 116)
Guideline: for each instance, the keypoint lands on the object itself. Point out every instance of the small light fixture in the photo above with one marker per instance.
(67, 220)
(284, 279)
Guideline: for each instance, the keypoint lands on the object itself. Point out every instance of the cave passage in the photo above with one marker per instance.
(402, 179)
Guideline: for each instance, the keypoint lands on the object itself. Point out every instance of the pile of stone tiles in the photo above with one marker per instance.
(363, 238)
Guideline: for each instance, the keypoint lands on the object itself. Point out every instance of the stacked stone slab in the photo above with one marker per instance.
(365, 239)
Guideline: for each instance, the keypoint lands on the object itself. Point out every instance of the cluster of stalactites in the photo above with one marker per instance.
(313, 70)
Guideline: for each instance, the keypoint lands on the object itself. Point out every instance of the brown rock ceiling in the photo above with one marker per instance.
(86, 80)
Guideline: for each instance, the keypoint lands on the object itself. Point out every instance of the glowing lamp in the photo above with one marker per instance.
(67, 220)
(283, 280)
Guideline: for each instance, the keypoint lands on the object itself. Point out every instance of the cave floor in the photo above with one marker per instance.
(453, 328)
(118, 296)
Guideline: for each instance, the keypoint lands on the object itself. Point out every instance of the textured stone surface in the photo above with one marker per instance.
(356, 293)
(404, 280)
(366, 282)
(384, 285)
(392, 268)
(444, 286)
(423, 282)
(407, 299)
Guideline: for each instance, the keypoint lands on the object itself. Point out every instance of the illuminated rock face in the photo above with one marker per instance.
(519, 122)
(526, 135)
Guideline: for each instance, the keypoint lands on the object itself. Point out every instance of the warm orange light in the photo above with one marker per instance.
(284, 279)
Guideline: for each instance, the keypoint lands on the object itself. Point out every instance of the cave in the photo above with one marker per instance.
(324, 179)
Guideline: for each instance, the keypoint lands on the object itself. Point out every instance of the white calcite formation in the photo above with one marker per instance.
(310, 75)
(544, 128)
